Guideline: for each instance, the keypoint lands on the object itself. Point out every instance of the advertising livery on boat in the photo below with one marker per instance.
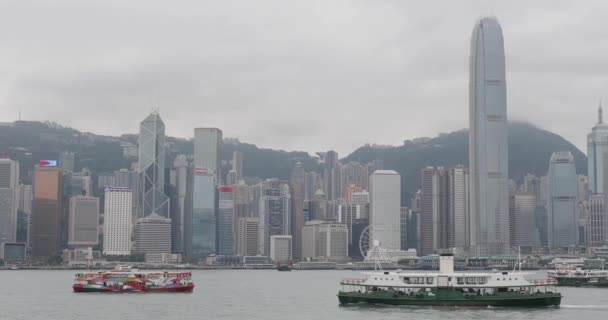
(447, 288)
(127, 279)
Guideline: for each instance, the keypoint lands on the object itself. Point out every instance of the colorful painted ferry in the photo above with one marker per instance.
(447, 288)
(579, 277)
(127, 279)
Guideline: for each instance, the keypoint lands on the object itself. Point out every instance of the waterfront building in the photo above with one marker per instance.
(46, 212)
(385, 208)
(247, 236)
(225, 230)
(153, 235)
(488, 145)
(24, 213)
(280, 248)
(118, 204)
(597, 155)
(274, 213)
(323, 240)
(204, 219)
(181, 217)
(458, 206)
(83, 222)
(562, 205)
(297, 188)
(523, 221)
(596, 222)
(349, 215)
(9, 201)
(151, 168)
(405, 212)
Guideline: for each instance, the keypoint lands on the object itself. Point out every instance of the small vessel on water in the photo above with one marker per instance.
(447, 288)
(284, 267)
(127, 279)
(579, 277)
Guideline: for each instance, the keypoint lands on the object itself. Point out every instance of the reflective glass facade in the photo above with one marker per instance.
(488, 146)
(203, 215)
(562, 201)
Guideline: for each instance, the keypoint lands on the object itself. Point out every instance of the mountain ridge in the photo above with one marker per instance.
(529, 151)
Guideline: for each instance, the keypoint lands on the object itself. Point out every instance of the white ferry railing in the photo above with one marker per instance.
(545, 282)
(352, 281)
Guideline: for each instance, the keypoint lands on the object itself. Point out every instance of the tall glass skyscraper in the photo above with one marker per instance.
(488, 146)
(597, 155)
(562, 203)
(203, 214)
(225, 232)
(151, 196)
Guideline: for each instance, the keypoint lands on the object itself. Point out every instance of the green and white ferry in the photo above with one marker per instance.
(449, 288)
(579, 277)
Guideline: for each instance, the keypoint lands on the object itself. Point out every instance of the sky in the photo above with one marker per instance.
(296, 75)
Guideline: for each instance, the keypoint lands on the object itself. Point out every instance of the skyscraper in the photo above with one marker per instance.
(9, 200)
(153, 235)
(596, 222)
(523, 220)
(275, 205)
(297, 188)
(66, 161)
(237, 164)
(46, 212)
(458, 192)
(597, 155)
(151, 171)
(208, 150)
(351, 174)
(247, 236)
(83, 222)
(117, 221)
(331, 175)
(225, 230)
(182, 214)
(562, 205)
(385, 204)
(204, 218)
(488, 146)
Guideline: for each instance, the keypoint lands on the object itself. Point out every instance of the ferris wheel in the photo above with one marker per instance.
(371, 248)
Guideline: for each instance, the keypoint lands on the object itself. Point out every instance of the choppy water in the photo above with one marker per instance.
(249, 295)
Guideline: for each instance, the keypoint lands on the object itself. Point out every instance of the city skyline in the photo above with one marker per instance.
(231, 100)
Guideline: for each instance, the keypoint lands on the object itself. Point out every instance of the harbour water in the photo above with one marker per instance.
(249, 295)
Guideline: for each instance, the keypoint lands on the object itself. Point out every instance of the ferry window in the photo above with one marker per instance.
(510, 279)
(429, 280)
(459, 280)
(497, 279)
(470, 280)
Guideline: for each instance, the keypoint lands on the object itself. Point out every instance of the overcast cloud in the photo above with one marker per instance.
(296, 75)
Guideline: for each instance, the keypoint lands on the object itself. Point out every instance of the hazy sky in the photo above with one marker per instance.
(296, 75)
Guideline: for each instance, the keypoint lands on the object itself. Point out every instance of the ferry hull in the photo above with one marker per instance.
(509, 300)
(85, 289)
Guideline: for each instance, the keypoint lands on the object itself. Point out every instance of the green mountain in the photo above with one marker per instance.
(529, 151)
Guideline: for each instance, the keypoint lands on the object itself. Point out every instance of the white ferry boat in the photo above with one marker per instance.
(447, 288)
(579, 277)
